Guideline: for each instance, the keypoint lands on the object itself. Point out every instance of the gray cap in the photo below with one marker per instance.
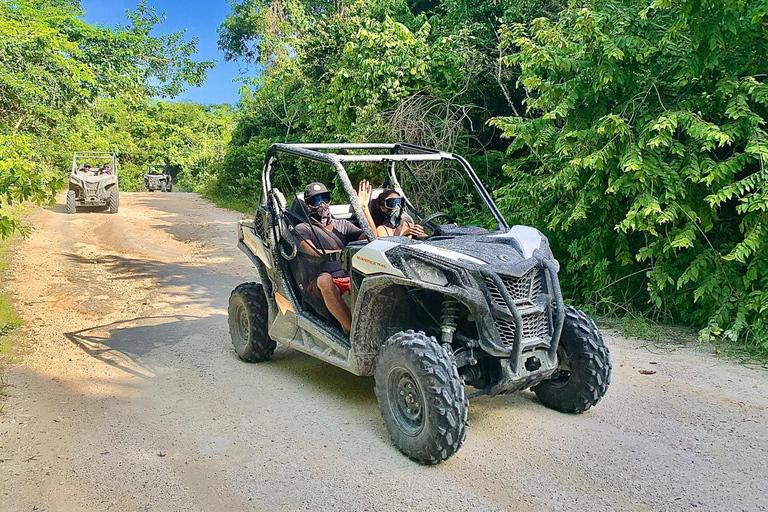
(314, 189)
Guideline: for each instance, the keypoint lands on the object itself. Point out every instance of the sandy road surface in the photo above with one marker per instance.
(129, 397)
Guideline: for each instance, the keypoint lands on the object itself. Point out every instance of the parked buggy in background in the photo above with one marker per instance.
(157, 177)
(91, 185)
(475, 305)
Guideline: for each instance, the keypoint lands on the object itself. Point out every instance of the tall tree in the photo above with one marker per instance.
(53, 66)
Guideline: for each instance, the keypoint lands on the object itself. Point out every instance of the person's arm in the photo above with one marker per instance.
(364, 196)
(307, 247)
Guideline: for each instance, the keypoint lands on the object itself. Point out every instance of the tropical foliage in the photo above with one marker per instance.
(644, 150)
(56, 74)
(631, 132)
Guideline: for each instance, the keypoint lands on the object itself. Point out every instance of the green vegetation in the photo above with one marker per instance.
(631, 132)
(8, 318)
(644, 150)
(188, 138)
(66, 85)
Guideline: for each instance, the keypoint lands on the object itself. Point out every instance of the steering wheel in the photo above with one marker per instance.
(427, 221)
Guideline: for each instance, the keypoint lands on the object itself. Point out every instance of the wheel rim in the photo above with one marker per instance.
(564, 369)
(406, 401)
(243, 324)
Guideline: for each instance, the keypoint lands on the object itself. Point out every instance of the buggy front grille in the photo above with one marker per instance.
(535, 328)
(525, 292)
(525, 289)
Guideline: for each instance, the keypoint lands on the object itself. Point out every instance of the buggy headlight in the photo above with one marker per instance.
(427, 272)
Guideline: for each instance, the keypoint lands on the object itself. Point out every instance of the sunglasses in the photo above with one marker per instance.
(316, 200)
(393, 202)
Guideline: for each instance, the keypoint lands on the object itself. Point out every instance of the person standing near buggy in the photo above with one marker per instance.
(322, 240)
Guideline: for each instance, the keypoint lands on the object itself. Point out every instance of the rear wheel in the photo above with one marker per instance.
(113, 201)
(71, 201)
(421, 397)
(170, 187)
(584, 367)
(248, 317)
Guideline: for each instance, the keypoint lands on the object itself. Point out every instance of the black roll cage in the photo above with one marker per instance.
(396, 152)
(154, 167)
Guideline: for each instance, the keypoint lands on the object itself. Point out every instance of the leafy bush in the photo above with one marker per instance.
(53, 68)
(643, 155)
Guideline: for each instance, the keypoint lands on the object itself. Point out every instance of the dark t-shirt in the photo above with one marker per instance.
(313, 265)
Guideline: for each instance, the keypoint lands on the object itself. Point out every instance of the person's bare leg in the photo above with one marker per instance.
(334, 302)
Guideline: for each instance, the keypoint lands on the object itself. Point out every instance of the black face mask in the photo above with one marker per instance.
(395, 216)
(321, 215)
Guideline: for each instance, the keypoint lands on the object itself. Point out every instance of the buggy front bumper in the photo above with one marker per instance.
(92, 201)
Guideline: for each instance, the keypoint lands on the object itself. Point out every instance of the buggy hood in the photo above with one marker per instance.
(515, 251)
(512, 253)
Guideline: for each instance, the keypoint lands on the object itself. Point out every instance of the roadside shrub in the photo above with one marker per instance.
(643, 155)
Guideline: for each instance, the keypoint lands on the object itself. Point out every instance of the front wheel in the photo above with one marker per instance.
(248, 323)
(421, 397)
(163, 188)
(584, 367)
(71, 201)
(113, 201)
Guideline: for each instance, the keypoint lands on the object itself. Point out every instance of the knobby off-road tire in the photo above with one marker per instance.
(585, 367)
(170, 187)
(248, 317)
(144, 188)
(421, 397)
(163, 188)
(71, 201)
(113, 201)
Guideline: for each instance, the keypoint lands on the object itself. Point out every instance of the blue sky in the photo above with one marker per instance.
(201, 19)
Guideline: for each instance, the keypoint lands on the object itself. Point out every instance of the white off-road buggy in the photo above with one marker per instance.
(157, 178)
(93, 186)
(469, 307)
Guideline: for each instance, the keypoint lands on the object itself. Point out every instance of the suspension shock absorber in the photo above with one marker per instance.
(449, 318)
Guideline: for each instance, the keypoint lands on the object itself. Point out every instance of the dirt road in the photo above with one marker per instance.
(128, 396)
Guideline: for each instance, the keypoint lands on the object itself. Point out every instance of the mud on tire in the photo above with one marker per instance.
(248, 318)
(71, 201)
(421, 397)
(585, 367)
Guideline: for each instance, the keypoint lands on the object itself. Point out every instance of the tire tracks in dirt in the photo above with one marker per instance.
(128, 396)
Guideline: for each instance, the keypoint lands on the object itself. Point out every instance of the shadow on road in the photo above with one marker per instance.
(62, 208)
(122, 344)
(323, 376)
(195, 284)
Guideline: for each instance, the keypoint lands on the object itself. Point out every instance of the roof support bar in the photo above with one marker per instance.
(399, 152)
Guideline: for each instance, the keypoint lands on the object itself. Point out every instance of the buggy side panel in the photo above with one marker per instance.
(255, 244)
(287, 324)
